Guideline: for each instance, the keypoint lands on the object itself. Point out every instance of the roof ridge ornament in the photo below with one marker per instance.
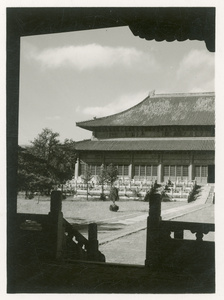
(152, 93)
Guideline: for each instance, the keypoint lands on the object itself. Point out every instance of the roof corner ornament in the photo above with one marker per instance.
(152, 93)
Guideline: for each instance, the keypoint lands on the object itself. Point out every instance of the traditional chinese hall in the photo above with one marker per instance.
(164, 137)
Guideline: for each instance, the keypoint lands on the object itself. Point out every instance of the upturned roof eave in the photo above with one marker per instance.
(90, 127)
(113, 115)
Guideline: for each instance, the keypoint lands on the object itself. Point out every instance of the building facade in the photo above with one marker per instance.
(166, 136)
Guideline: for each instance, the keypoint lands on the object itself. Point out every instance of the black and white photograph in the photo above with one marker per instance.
(111, 149)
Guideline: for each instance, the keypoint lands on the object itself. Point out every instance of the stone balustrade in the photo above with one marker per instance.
(177, 192)
(55, 238)
(163, 250)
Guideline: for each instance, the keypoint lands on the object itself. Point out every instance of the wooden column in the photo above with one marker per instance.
(131, 171)
(12, 107)
(160, 170)
(103, 159)
(77, 169)
(191, 168)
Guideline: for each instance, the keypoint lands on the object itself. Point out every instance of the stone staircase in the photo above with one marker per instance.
(211, 195)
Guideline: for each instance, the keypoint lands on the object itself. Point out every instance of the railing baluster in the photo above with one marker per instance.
(87, 248)
(199, 236)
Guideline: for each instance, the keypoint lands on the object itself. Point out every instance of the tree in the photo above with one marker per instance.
(33, 174)
(46, 163)
(64, 161)
(112, 174)
(86, 177)
(45, 145)
(102, 179)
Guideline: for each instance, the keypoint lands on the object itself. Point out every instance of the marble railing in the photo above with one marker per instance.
(167, 247)
(55, 238)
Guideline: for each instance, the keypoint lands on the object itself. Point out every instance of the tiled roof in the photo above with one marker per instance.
(159, 144)
(162, 110)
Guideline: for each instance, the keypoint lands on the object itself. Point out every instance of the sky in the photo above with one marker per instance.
(71, 77)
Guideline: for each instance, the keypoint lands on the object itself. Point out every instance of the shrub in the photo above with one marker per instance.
(114, 207)
(191, 196)
(169, 183)
(164, 196)
(113, 196)
(103, 197)
(147, 195)
(151, 191)
(136, 193)
(166, 188)
(31, 196)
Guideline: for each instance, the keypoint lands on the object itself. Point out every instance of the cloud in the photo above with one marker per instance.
(87, 57)
(196, 71)
(122, 103)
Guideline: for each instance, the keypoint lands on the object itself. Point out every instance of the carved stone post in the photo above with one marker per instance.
(92, 250)
(153, 233)
(56, 229)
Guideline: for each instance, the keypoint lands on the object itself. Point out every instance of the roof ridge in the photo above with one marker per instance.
(182, 94)
(156, 138)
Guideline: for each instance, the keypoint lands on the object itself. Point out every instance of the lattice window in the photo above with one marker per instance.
(92, 169)
(154, 170)
(145, 170)
(204, 171)
(148, 170)
(142, 170)
(97, 170)
(172, 171)
(178, 171)
(166, 170)
(126, 170)
(185, 171)
(197, 171)
(120, 168)
(137, 173)
(82, 169)
(123, 170)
